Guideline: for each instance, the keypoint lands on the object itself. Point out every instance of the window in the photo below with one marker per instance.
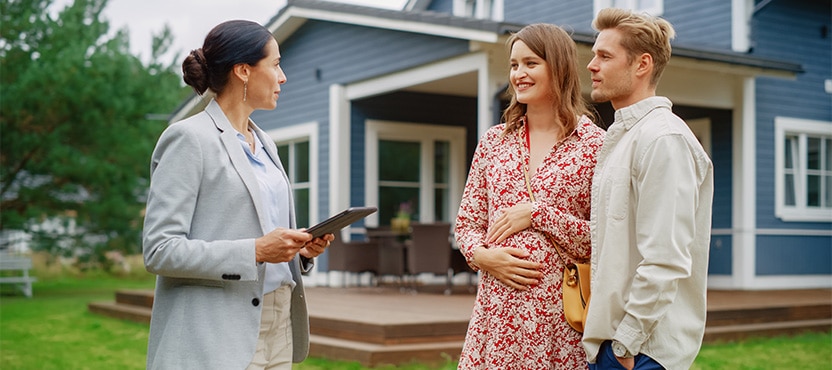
(295, 158)
(417, 169)
(652, 7)
(295, 147)
(803, 170)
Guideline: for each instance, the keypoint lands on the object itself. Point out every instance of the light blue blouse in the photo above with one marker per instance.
(274, 193)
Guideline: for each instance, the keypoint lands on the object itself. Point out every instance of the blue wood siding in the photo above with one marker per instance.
(792, 31)
(720, 259)
(793, 255)
(700, 23)
(320, 54)
(571, 14)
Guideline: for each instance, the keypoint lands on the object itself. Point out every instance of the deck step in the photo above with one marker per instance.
(370, 354)
(376, 326)
(121, 311)
(729, 333)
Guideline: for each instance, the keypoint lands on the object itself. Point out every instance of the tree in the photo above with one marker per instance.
(74, 125)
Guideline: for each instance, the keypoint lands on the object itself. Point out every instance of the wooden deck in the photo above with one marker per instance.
(391, 325)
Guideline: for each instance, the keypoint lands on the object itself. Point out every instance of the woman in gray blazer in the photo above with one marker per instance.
(219, 231)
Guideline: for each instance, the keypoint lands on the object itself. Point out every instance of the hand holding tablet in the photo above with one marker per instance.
(340, 221)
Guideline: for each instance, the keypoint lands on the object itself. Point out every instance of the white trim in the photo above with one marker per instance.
(289, 21)
(744, 190)
(339, 154)
(773, 282)
(426, 135)
(656, 10)
(741, 11)
(800, 212)
(473, 62)
(776, 232)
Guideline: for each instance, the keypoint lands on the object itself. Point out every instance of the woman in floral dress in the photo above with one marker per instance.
(518, 320)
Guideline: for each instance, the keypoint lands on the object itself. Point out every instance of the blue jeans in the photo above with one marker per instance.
(606, 360)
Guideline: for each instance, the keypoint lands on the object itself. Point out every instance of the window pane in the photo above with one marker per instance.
(813, 153)
(283, 153)
(301, 162)
(828, 151)
(390, 200)
(302, 207)
(442, 161)
(827, 200)
(813, 191)
(398, 161)
(788, 151)
(789, 190)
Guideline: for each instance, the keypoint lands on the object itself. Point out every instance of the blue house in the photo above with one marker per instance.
(385, 107)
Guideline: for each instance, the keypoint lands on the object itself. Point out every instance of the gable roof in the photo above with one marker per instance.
(297, 12)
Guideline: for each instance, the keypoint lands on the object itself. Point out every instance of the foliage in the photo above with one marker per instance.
(74, 122)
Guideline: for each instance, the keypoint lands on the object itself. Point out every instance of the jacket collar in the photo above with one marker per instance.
(628, 116)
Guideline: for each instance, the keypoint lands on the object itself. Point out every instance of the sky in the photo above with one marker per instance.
(190, 20)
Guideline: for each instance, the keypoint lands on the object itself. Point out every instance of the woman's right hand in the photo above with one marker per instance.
(509, 265)
(280, 245)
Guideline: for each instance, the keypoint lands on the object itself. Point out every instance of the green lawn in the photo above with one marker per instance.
(54, 330)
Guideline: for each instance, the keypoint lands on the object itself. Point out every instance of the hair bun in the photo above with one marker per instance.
(195, 71)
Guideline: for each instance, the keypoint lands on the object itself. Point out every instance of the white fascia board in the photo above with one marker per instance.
(288, 23)
(425, 73)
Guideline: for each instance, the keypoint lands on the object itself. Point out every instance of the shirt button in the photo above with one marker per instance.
(255, 302)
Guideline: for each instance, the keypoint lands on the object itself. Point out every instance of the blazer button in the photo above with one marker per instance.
(255, 302)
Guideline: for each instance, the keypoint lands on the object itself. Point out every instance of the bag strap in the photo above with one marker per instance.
(531, 196)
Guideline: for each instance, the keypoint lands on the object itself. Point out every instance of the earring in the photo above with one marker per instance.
(245, 90)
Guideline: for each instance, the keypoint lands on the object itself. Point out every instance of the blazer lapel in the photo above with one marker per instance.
(228, 136)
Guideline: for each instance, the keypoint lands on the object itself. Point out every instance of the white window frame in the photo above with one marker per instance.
(298, 133)
(480, 9)
(802, 128)
(376, 130)
(656, 10)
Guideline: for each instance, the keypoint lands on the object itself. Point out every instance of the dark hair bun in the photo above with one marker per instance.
(195, 71)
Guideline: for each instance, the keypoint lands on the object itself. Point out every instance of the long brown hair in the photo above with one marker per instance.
(557, 48)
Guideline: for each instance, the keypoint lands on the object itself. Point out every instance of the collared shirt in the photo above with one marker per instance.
(274, 193)
(650, 223)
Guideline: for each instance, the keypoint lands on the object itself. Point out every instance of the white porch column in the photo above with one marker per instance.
(339, 154)
(744, 191)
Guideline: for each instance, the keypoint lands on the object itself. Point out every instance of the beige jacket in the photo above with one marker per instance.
(651, 225)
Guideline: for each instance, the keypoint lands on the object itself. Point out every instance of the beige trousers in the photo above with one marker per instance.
(274, 344)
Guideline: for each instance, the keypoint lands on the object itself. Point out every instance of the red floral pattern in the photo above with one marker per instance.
(512, 329)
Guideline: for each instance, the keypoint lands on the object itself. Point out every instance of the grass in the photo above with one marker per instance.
(54, 330)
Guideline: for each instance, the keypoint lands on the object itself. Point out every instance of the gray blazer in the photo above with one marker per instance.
(203, 214)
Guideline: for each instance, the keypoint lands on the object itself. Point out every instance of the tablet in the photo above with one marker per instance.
(340, 221)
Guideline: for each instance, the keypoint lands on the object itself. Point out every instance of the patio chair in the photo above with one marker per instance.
(430, 251)
(391, 252)
(353, 256)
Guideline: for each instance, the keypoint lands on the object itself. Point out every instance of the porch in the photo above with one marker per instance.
(391, 325)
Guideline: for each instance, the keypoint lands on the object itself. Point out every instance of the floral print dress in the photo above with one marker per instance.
(509, 328)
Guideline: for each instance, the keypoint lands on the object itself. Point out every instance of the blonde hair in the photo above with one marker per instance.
(558, 50)
(642, 33)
